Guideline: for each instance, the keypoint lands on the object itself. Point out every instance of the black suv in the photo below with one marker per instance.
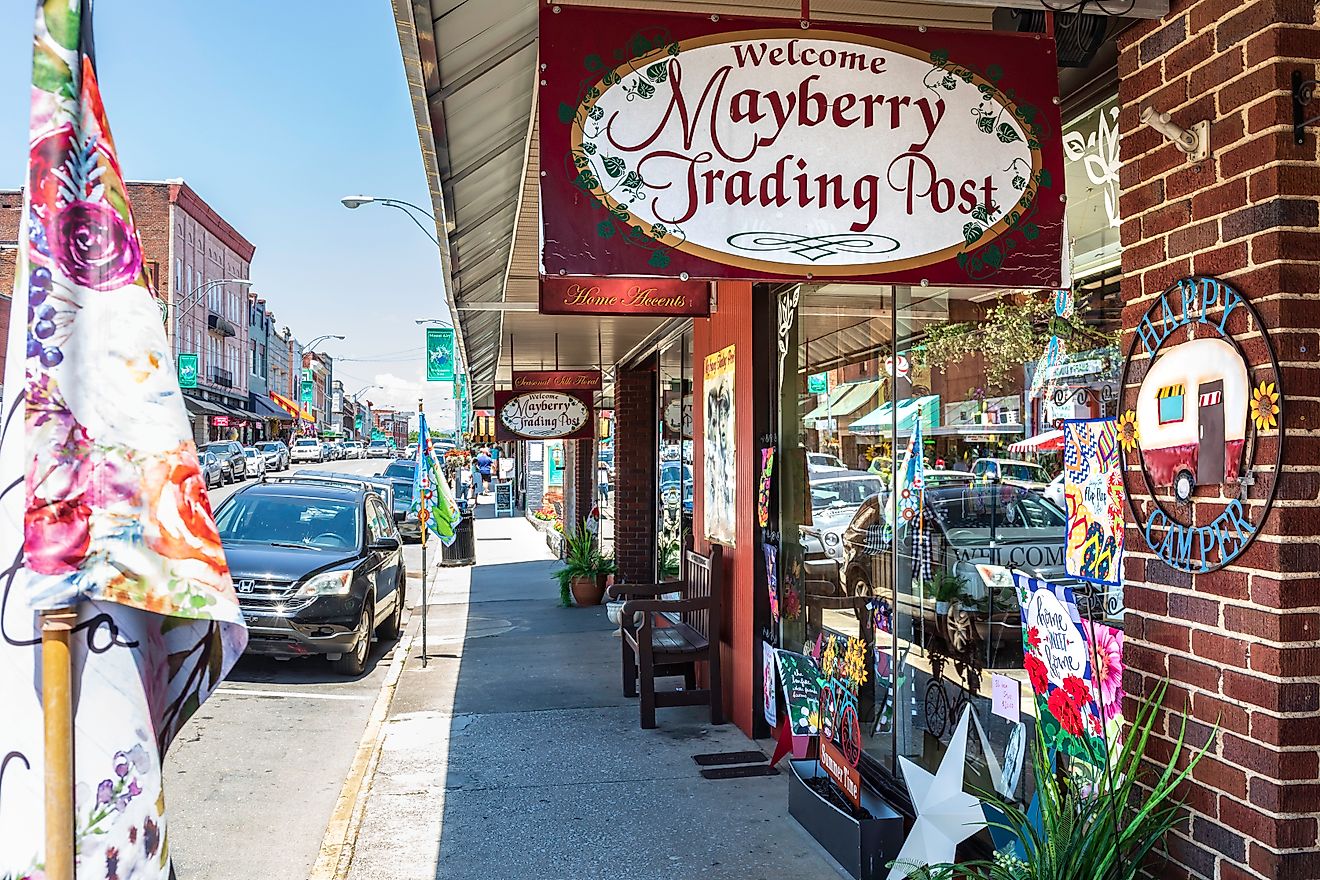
(318, 568)
(232, 452)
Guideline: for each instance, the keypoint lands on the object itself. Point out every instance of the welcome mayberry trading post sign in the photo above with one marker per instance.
(743, 148)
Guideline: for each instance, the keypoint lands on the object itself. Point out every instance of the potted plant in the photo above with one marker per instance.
(946, 588)
(580, 576)
(1098, 825)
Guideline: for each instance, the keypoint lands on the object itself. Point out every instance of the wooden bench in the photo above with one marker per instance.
(669, 637)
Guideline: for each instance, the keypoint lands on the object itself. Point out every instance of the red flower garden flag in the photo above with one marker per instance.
(102, 506)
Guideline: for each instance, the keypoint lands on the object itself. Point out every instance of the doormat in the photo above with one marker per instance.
(739, 772)
(714, 758)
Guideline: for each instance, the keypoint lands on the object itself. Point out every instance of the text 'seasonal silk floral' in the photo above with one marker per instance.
(102, 506)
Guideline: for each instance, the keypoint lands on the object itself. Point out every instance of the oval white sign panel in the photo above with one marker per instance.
(832, 151)
(544, 415)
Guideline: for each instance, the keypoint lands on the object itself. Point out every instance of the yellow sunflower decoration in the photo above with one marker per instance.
(1265, 406)
(1128, 435)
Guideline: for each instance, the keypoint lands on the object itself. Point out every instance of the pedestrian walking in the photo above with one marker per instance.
(484, 462)
(603, 478)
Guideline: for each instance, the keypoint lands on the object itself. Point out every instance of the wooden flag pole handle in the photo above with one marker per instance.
(57, 704)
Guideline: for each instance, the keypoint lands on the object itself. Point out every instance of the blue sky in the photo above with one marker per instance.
(272, 113)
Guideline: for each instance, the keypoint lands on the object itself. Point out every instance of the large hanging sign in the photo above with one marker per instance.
(1093, 497)
(543, 415)
(439, 354)
(556, 380)
(1202, 424)
(646, 297)
(713, 147)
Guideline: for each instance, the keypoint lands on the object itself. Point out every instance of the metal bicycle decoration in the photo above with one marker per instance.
(839, 720)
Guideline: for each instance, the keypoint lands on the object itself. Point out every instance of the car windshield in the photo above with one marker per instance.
(251, 453)
(304, 443)
(401, 469)
(993, 507)
(825, 459)
(1021, 470)
(843, 493)
(403, 491)
(268, 447)
(289, 520)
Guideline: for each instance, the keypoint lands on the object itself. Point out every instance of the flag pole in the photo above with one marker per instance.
(57, 705)
(422, 443)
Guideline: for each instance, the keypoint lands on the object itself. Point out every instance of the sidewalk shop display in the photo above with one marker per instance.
(1102, 830)
(582, 576)
(119, 615)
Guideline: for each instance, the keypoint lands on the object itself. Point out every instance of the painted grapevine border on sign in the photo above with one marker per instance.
(1202, 424)
(603, 200)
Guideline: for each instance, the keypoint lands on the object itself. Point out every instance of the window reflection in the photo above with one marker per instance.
(929, 602)
(674, 480)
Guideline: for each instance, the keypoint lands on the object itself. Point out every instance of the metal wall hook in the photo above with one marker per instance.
(1303, 92)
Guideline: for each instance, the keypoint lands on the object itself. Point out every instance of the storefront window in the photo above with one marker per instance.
(925, 593)
(674, 481)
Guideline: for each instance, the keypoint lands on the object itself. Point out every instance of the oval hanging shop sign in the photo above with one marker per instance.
(730, 151)
(542, 415)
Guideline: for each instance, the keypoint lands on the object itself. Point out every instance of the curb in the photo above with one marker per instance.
(341, 833)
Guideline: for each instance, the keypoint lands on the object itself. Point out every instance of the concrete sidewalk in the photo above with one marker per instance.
(514, 754)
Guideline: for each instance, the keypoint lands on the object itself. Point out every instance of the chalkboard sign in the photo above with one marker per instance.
(801, 682)
(504, 499)
(535, 475)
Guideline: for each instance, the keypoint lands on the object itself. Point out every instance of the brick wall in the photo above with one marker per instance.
(1240, 646)
(634, 474)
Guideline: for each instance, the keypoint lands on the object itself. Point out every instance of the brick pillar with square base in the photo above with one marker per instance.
(635, 451)
(1240, 645)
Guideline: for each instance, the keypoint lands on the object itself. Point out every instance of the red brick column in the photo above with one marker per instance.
(635, 450)
(1241, 646)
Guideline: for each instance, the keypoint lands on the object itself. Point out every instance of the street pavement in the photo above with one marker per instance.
(514, 754)
(253, 778)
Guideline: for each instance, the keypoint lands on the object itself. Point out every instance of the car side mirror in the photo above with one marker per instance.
(385, 544)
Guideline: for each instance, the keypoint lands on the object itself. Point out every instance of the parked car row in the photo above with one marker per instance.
(227, 461)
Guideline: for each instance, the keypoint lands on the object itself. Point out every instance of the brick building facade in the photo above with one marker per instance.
(1239, 646)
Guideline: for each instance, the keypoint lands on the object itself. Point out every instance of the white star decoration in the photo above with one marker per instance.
(946, 815)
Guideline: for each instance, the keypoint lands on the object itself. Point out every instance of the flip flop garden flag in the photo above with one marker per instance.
(432, 498)
(103, 509)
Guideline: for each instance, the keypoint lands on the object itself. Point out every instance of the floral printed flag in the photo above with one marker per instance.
(102, 507)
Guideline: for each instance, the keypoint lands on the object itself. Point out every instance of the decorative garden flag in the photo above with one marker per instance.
(910, 483)
(1057, 658)
(432, 498)
(104, 509)
(1094, 499)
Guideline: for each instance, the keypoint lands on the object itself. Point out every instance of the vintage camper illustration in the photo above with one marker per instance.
(1192, 415)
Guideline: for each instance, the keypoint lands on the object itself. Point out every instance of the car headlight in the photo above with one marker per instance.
(327, 583)
(996, 577)
(832, 538)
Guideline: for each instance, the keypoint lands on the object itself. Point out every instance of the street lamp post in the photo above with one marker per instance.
(352, 202)
(193, 297)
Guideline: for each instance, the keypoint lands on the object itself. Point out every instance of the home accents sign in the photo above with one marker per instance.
(646, 297)
(1201, 424)
(556, 380)
(543, 415)
(713, 147)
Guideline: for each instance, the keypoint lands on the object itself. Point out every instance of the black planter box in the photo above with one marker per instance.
(863, 848)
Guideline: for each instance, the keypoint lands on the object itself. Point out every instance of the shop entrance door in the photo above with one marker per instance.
(1210, 415)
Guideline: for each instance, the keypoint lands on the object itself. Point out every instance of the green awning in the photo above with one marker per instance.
(881, 420)
(828, 410)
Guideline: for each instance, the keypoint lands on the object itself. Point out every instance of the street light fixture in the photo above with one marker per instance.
(308, 346)
(352, 202)
(441, 321)
(193, 298)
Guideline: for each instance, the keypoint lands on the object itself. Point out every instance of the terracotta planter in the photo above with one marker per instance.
(587, 590)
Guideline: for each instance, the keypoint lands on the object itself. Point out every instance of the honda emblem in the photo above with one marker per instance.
(246, 586)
